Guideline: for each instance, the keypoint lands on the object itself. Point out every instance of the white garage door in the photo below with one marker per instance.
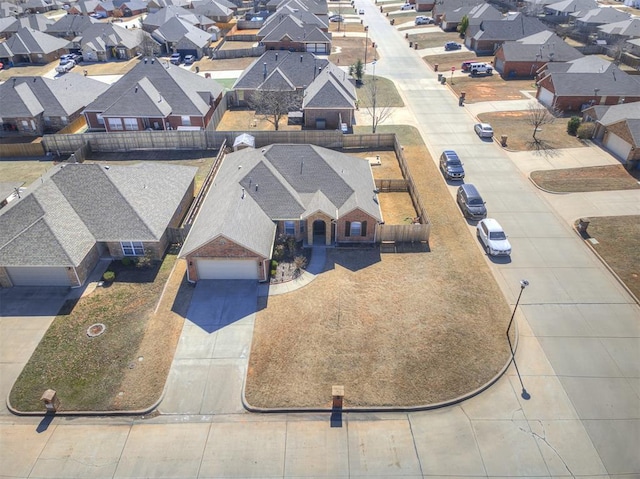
(227, 269)
(618, 146)
(546, 97)
(38, 276)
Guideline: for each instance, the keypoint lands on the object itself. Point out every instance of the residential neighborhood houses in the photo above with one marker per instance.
(235, 138)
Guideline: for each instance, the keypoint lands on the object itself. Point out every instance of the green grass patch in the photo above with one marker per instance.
(386, 93)
(87, 371)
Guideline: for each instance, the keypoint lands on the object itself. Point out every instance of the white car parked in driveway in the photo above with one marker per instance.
(493, 237)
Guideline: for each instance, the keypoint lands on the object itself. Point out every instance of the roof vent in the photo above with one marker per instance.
(243, 193)
(153, 60)
(145, 60)
(300, 58)
(256, 186)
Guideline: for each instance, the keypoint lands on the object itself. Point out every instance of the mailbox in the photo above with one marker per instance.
(338, 395)
(50, 400)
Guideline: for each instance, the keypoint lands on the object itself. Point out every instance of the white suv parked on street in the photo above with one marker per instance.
(493, 238)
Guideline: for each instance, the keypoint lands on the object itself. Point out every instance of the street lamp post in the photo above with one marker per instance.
(523, 284)
(366, 44)
(374, 95)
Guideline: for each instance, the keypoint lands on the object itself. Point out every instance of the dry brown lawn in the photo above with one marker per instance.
(348, 50)
(448, 60)
(434, 39)
(491, 88)
(237, 120)
(397, 208)
(395, 330)
(618, 244)
(206, 64)
(593, 178)
(388, 167)
(23, 170)
(520, 133)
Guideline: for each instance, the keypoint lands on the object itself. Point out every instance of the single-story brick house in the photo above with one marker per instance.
(578, 84)
(57, 232)
(316, 195)
(618, 128)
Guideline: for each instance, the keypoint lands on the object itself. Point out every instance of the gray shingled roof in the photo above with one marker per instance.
(29, 96)
(281, 182)
(8, 188)
(294, 30)
(185, 92)
(330, 89)
(600, 16)
(513, 27)
(27, 41)
(165, 14)
(570, 6)
(627, 28)
(612, 81)
(615, 113)
(71, 24)
(175, 29)
(37, 21)
(58, 222)
(543, 46)
(101, 35)
(300, 68)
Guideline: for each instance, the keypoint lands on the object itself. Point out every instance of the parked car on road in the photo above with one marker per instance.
(176, 59)
(336, 18)
(470, 202)
(493, 237)
(451, 166)
(189, 59)
(407, 6)
(452, 46)
(483, 130)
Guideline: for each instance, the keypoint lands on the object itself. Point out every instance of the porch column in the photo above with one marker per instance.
(327, 231)
(309, 232)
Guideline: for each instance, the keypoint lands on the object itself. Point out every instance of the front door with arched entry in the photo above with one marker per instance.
(319, 232)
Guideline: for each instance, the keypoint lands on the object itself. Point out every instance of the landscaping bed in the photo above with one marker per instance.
(593, 178)
(123, 368)
(520, 133)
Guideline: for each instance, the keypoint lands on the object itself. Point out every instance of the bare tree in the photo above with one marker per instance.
(537, 116)
(377, 104)
(272, 105)
(148, 46)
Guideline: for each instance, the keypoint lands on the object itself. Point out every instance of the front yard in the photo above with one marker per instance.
(520, 133)
(594, 178)
(125, 367)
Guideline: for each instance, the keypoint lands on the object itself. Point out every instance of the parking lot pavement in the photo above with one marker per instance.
(211, 359)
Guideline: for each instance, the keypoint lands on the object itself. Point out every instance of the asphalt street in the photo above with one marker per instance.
(578, 353)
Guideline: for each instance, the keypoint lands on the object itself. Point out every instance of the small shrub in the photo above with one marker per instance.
(573, 125)
(273, 273)
(585, 131)
(109, 276)
(274, 264)
(126, 261)
(278, 252)
(299, 262)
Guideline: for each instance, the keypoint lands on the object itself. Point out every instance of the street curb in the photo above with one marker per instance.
(547, 191)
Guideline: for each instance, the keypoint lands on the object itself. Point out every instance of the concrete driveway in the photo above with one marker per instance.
(210, 363)
(25, 315)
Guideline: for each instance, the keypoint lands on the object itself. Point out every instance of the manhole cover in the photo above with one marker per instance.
(96, 330)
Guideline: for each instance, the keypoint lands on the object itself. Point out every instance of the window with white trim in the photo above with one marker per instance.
(186, 120)
(289, 228)
(131, 124)
(132, 248)
(115, 123)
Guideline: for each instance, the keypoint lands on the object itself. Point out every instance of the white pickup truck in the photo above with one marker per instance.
(66, 67)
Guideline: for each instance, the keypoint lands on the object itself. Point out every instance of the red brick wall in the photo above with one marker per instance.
(85, 267)
(331, 116)
(357, 215)
(622, 130)
(522, 69)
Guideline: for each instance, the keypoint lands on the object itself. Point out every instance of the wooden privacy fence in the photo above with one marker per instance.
(76, 125)
(393, 185)
(238, 53)
(21, 149)
(414, 233)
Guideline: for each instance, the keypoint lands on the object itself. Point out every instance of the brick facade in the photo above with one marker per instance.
(332, 118)
(5, 281)
(85, 267)
(223, 248)
(329, 229)
(343, 235)
(621, 129)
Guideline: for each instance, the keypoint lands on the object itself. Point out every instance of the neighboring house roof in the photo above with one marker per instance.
(512, 27)
(609, 114)
(475, 13)
(254, 188)
(626, 28)
(87, 6)
(36, 21)
(100, 36)
(183, 92)
(5, 23)
(166, 3)
(582, 77)
(71, 24)
(299, 68)
(212, 8)
(5, 51)
(134, 5)
(290, 28)
(8, 9)
(330, 89)
(59, 221)
(30, 96)
(163, 15)
(38, 4)
(572, 6)
(27, 41)
(543, 46)
(600, 16)
(176, 29)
